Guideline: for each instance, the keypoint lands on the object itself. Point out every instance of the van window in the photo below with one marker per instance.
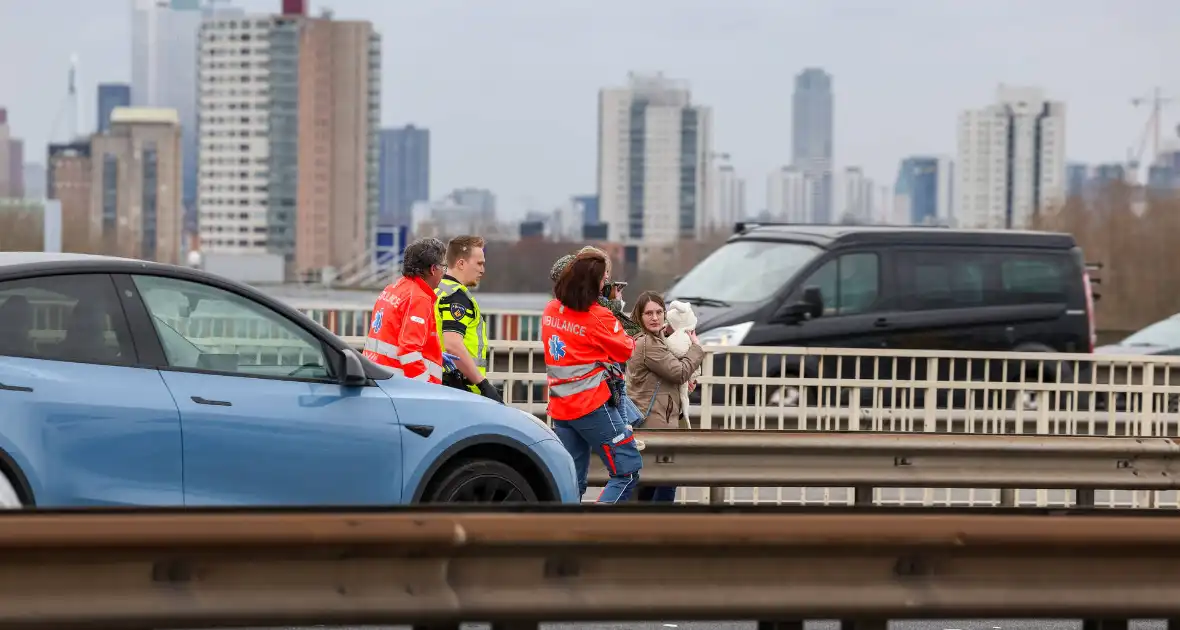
(940, 280)
(744, 271)
(849, 284)
(956, 279)
(1038, 279)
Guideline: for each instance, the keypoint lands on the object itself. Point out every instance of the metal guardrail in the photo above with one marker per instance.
(869, 461)
(436, 569)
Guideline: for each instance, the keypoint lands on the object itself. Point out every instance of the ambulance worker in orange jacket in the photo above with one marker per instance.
(584, 345)
(405, 334)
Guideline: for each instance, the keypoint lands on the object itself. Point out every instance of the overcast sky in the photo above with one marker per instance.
(509, 88)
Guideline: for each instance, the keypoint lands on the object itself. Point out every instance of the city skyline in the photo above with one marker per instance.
(884, 113)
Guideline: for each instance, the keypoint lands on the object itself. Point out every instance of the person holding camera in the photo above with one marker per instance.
(584, 347)
(611, 299)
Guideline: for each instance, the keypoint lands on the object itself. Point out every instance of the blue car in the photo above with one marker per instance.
(128, 383)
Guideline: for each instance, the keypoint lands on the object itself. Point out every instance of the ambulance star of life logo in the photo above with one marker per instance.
(377, 319)
(556, 348)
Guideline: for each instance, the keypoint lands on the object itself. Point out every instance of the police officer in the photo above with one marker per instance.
(465, 333)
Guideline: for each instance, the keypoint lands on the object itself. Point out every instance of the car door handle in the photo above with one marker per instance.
(14, 388)
(881, 322)
(217, 403)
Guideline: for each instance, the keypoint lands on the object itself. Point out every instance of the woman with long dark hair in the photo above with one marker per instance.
(654, 377)
(584, 345)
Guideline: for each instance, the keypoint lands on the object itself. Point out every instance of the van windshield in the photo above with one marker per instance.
(744, 271)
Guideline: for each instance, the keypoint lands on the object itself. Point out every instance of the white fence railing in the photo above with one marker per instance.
(835, 389)
(838, 389)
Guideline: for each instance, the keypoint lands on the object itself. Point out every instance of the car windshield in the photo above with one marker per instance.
(1164, 333)
(744, 271)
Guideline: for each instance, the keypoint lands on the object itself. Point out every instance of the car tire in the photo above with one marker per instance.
(9, 498)
(481, 481)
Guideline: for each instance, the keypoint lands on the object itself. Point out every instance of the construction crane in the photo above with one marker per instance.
(1151, 131)
(69, 112)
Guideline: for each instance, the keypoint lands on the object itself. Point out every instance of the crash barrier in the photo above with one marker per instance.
(874, 463)
(518, 567)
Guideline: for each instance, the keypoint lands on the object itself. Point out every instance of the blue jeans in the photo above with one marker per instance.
(604, 432)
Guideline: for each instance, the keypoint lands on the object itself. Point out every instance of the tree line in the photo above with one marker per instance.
(1136, 238)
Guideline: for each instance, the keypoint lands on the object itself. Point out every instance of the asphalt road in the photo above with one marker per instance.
(949, 624)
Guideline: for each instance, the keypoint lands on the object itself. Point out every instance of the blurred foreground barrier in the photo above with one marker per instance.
(866, 461)
(434, 569)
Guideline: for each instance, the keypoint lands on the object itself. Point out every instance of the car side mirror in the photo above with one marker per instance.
(354, 371)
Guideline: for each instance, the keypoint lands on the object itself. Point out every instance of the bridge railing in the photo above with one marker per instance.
(854, 390)
(843, 389)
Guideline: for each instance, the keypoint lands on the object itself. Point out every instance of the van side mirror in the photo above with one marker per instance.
(809, 307)
(813, 298)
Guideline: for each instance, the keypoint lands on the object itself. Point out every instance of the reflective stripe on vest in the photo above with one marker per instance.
(475, 339)
(391, 352)
(568, 380)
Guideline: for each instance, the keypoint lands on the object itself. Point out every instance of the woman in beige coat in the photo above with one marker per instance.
(654, 377)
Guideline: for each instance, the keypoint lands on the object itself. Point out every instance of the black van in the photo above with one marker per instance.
(891, 288)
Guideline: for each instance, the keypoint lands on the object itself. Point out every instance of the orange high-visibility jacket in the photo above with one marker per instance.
(580, 350)
(404, 333)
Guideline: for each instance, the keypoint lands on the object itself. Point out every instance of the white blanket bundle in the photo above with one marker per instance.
(682, 320)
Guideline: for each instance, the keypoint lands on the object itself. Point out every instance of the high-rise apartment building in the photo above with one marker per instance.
(852, 201)
(924, 191)
(654, 154)
(135, 194)
(812, 134)
(405, 173)
(729, 199)
(1164, 174)
(12, 161)
(1077, 175)
(1011, 160)
(34, 173)
(790, 196)
(289, 121)
(68, 177)
(164, 45)
(110, 96)
(16, 167)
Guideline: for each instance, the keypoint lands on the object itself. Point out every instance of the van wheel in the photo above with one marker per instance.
(9, 499)
(481, 481)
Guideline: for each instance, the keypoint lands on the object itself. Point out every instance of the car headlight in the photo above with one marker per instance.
(726, 335)
(541, 423)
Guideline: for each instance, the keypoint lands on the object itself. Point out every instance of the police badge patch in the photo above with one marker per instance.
(458, 312)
